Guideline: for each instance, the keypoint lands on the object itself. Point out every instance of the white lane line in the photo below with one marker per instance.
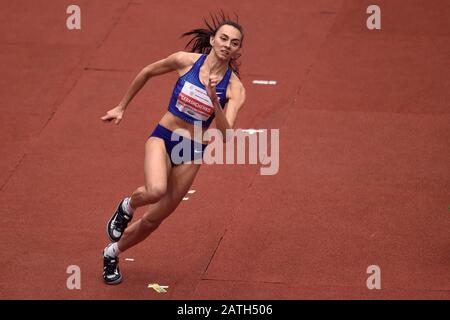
(269, 82)
(129, 259)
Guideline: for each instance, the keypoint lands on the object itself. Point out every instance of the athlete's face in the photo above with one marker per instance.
(226, 42)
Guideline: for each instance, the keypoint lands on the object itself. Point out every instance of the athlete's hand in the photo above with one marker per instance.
(114, 114)
(211, 87)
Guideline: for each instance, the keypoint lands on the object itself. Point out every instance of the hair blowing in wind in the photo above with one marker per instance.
(200, 37)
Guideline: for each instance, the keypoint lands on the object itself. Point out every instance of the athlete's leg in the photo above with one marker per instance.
(179, 182)
(156, 171)
(157, 168)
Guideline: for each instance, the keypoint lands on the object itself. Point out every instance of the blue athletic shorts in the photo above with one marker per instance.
(186, 150)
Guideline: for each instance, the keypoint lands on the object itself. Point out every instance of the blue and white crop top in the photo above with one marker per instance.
(190, 101)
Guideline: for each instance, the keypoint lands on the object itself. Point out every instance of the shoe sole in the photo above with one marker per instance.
(113, 282)
(109, 223)
(107, 230)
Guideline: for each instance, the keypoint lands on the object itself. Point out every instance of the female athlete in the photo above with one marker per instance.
(208, 88)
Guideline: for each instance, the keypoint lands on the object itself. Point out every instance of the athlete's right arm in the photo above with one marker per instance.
(174, 62)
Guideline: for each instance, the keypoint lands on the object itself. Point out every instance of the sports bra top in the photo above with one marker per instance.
(190, 101)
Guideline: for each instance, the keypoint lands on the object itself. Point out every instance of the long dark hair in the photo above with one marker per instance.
(200, 40)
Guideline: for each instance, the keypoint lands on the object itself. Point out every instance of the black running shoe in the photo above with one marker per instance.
(111, 271)
(118, 223)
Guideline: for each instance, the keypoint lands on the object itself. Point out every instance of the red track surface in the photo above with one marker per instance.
(364, 152)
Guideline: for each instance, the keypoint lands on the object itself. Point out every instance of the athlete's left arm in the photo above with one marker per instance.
(236, 98)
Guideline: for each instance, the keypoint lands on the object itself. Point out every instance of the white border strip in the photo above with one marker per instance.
(270, 82)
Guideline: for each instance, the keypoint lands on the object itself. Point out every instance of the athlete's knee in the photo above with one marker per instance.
(141, 190)
(155, 192)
